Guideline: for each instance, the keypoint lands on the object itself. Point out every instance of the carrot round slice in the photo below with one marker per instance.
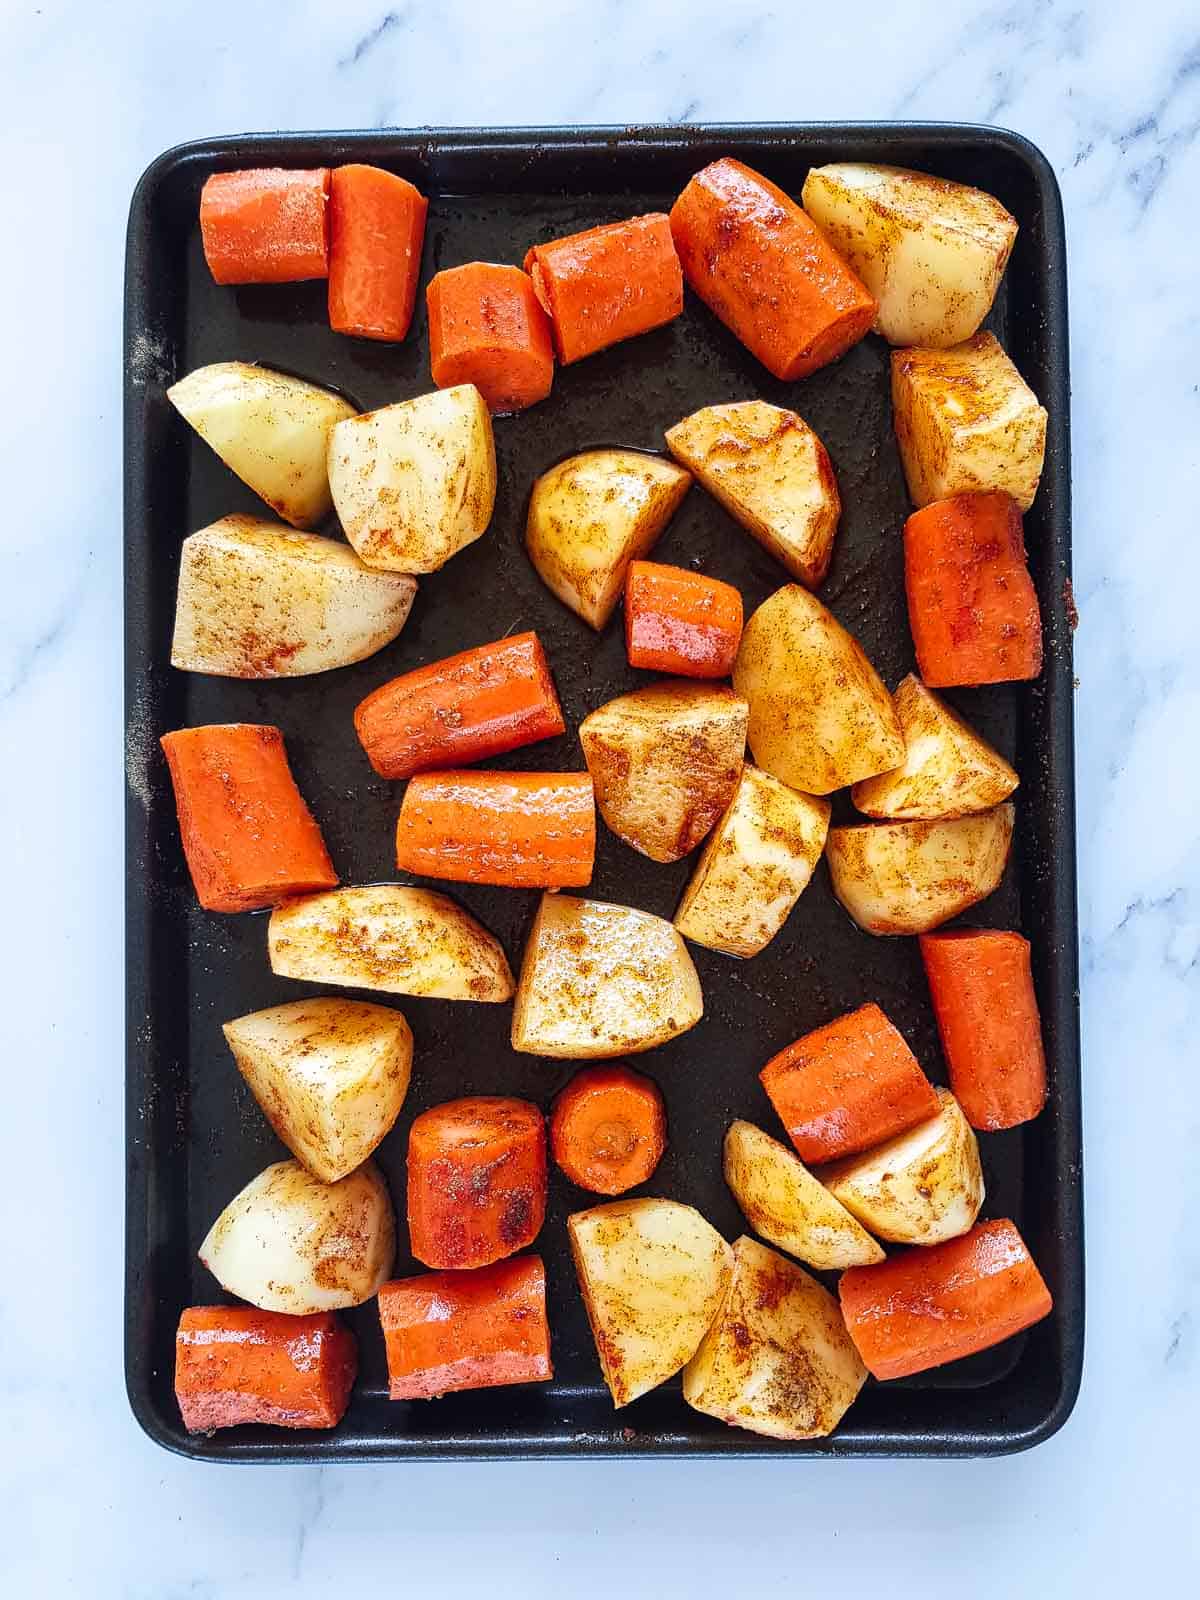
(679, 622)
(236, 1364)
(487, 327)
(266, 225)
(608, 1129)
(376, 230)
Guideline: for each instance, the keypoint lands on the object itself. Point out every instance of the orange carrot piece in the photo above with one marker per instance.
(266, 225)
(235, 1364)
(521, 830)
(376, 230)
(680, 622)
(476, 1181)
(607, 284)
(487, 327)
(466, 1330)
(608, 1129)
(248, 836)
(469, 707)
(756, 260)
(972, 606)
(987, 1014)
(938, 1303)
(848, 1086)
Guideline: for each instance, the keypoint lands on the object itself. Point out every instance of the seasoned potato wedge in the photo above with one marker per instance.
(910, 877)
(820, 716)
(593, 514)
(932, 252)
(665, 761)
(966, 422)
(415, 483)
(786, 1205)
(258, 600)
(653, 1275)
(289, 1242)
(602, 980)
(778, 1359)
(755, 866)
(948, 770)
(390, 937)
(771, 473)
(921, 1187)
(330, 1076)
(272, 430)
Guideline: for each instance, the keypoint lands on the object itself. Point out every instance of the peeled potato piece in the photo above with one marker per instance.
(272, 430)
(778, 1359)
(785, 1204)
(653, 1274)
(910, 877)
(948, 770)
(602, 980)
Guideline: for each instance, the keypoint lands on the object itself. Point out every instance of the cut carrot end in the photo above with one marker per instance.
(608, 1129)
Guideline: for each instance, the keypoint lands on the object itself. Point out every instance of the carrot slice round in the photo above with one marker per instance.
(608, 1129)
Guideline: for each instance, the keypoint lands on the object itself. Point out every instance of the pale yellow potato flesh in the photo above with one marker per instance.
(777, 1360)
(601, 980)
(593, 514)
(967, 422)
(949, 770)
(820, 715)
(330, 1075)
(653, 1274)
(932, 252)
(756, 864)
(786, 1205)
(910, 877)
(772, 474)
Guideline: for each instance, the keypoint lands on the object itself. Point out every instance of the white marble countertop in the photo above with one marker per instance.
(87, 1505)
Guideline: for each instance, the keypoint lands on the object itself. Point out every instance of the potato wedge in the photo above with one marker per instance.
(665, 761)
(593, 514)
(415, 483)
(289, 1242)
(921, 1187)
(390, 937)
(258, 600)
(966, 422)
(910, 877)
(771, 473)
(786, 1205)
(755, 866)
(271, 429)
(778, 1359)
(602, 980)
(653, 1275)
(330, 1076)
(948, 769)
(820, 716)
(932, 252)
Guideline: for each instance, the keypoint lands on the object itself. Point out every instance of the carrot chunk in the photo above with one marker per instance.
(987, 1015)
(848, 1086)
(487, 327)
(680, 622)
(972, 606)
(466, 1330)
(248, 836)
(469, 707)
(266, 225)
(936, 1304)
(608, 1129)
(235, 1364)
(476, 1181)
(376, 229)
(757, 261)
(607, 284)
(521, 830)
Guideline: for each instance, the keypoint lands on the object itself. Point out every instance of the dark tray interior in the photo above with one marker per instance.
(195, 1134)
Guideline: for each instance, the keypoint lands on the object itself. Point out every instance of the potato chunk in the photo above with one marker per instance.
(966, 422)
(771, 473)
(665, 761)
(777, 1360)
